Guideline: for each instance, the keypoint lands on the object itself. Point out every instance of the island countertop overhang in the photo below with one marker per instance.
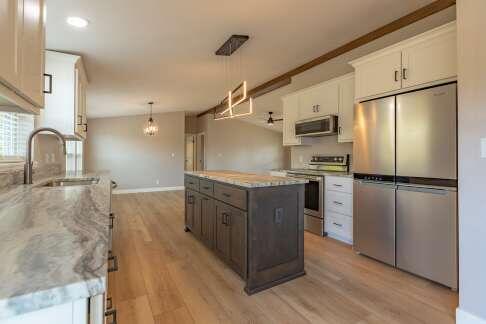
(246, 180)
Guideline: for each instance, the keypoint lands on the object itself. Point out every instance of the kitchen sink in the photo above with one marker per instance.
(71, 182)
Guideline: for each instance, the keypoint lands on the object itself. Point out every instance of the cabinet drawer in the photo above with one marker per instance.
(206, 187)
(191, 183)
(341, 184)
(339, 226)
(339, 202)
(231, 195)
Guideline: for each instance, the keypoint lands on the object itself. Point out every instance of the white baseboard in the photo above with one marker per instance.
(463, 317)
(153, 189)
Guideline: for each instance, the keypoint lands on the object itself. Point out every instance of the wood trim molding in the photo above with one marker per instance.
(404, 21)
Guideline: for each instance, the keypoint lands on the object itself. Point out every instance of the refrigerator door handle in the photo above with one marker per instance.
(422, 189)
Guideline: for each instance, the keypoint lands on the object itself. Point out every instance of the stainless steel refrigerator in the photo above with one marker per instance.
(405, 186)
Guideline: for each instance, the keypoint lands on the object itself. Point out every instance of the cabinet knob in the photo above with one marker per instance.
(404, 73)
(112, 313)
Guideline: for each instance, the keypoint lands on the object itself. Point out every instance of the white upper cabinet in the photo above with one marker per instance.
(290, 116)
(433, 58)
(65, 108)
(10, 27)
(319, 101)
(346, 109)
(22, 36)
(333, 97)
(32, 58)
(379, 75)
(425, 59)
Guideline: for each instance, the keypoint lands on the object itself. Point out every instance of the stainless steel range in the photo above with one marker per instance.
(319, 167)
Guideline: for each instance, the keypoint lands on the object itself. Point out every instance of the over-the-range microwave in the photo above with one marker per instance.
(319, 126)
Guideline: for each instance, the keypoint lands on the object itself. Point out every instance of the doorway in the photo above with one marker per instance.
(195, 159)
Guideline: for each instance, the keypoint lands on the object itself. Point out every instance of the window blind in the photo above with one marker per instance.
(14, 131)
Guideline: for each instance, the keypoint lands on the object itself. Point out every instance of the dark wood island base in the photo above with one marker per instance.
(253, 223)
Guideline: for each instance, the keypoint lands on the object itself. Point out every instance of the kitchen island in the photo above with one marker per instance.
(254, 223)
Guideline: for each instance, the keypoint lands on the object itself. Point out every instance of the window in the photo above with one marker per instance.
(14, 131)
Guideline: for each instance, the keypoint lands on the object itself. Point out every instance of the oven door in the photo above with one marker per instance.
(314, 195)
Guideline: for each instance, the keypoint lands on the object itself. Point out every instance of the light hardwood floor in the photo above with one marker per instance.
(167, 276)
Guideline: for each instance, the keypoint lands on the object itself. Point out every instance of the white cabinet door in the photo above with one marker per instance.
(431, 60)
(319, 101)
(290, 116)
(379, 75)
(32, 58)
(346, 110)
(11, 12)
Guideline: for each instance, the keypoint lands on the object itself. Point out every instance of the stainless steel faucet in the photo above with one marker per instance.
(28, 162)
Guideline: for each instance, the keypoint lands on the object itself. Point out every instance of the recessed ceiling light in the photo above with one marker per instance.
(77, 22)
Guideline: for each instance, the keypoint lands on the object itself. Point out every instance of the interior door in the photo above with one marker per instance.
(374, 137)
(427, 233)
(374, 220)
(427, 133)
(379, 75)
(190, 153)
(11, 17)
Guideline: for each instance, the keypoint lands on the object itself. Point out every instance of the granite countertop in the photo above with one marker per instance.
(54, 244)
(247, 180)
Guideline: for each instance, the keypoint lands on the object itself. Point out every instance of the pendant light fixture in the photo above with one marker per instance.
(232, 105)
(151, 128)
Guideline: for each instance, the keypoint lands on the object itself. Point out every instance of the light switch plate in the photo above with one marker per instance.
(483, 148)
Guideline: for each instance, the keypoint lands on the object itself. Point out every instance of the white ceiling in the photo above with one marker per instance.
(141, 50)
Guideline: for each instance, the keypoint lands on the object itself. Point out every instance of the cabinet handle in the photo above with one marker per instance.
(337, 224)
(206, 188)
(404, 73)
(80, 120)
(228, 218)
(338, 203)
(227, 195)
(113, 258)
(339, 130)
(112, 220)
(223, 220)
(396, 75)
(85, 127)
(109, 301)
(112, 313)
(318, 108)
(337, 185)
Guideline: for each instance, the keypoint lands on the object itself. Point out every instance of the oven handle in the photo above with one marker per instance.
(319, 179)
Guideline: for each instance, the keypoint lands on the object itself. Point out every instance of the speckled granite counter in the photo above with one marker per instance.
(247, 180)
(54, 244)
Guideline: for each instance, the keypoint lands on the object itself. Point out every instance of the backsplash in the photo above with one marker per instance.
(326, 145)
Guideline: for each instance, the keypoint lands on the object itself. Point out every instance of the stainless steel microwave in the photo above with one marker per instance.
(319, 126)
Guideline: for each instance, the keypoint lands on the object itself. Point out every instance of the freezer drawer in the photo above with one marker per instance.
(374, 137)
(374, 220)
(426, 133)
(427, 233)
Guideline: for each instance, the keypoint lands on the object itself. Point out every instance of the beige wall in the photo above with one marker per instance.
(241, 146)
(472, 168)
(135, 160)
(327, 145)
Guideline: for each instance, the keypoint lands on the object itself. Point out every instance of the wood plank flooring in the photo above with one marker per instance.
(167, 276)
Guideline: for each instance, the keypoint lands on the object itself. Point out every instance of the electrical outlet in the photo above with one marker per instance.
(483, 148)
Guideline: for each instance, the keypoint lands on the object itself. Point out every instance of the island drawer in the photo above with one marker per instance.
(230, 195)
(206, 187)
(191, 183)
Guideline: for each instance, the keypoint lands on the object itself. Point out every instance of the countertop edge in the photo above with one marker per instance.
(285, 181)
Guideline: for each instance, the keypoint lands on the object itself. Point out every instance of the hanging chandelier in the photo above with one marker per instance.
(151, 128)
(233, 105)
